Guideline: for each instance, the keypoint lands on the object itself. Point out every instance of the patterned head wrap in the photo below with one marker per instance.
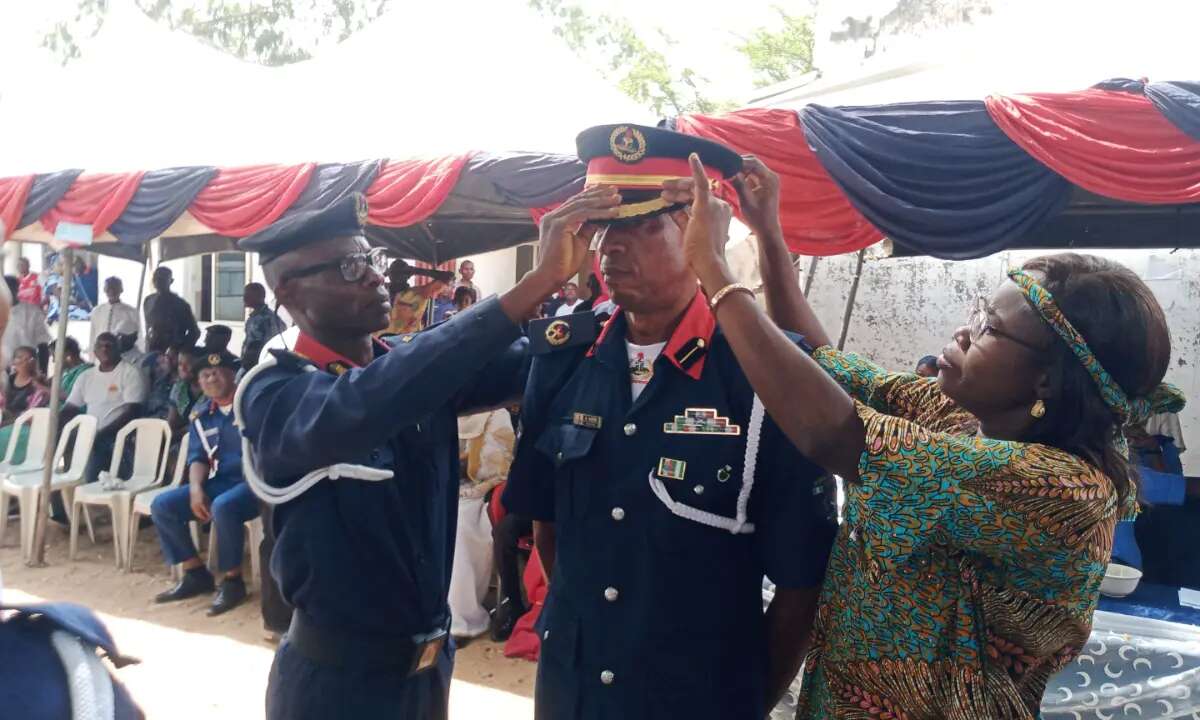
(1164, 398)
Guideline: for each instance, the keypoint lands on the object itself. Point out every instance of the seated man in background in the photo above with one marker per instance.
(215, 491)
(927, 367)
(113, 392)
(485, 443)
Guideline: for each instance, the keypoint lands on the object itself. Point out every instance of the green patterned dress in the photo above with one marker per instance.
(966, 571)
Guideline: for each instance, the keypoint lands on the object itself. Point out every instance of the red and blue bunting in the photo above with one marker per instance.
(948, 179)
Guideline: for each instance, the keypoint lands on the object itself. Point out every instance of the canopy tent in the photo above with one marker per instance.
(396, 87)
(964, 179)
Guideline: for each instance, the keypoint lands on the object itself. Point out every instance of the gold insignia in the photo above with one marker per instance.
(360, 208)
(337, 368)
(701, 421)
(672, 469)
(214, 359)
(558, 333)
(407, 339)
(628, 144)
(587, 421)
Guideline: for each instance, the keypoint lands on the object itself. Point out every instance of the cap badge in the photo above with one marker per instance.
(627, 144)
(214, 359)
(360, 208)
(558, 332)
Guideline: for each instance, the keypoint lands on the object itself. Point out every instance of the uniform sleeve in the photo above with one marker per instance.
(1028, 506)
(196, 451)
(795, 525)
(500, 382)
(355, 412)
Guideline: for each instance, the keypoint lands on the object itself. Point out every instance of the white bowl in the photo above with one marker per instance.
(1120, 580)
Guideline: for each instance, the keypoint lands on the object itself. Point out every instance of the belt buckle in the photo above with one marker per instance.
(426, 651)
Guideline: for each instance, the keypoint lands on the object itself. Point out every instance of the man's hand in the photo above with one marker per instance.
(758, 194)
(199, 502)
(566, 231)
(706, 229)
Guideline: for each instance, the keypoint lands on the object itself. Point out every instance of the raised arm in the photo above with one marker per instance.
(812, 410)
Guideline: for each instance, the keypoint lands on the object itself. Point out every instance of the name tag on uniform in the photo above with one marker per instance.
(701, 421)
(592, 422)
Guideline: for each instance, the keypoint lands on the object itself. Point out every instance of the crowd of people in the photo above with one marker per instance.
(659, 442)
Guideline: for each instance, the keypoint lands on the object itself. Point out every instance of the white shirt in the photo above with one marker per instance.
(101, 392)
(26, 328)
(641, 364)
(566, 309)
(113, 318)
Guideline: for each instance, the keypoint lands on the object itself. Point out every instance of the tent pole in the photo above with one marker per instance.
(850, 300)
(808, 277)
(142, 282)
(38, 558)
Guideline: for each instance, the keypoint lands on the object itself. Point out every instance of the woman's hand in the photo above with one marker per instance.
(758, 195)
(705, 226)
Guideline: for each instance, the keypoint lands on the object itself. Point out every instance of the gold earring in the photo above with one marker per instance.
(1038, 410)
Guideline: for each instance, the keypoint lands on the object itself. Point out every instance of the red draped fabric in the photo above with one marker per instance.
(1115, 144)
(13, 191)
(816, 216)
(241, 201)
(405, 192)
(96, 200)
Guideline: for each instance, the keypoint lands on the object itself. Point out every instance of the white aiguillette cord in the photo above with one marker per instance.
(737, 525)
(278, 495)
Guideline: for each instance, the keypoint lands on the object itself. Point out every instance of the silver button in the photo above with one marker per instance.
(630, 429)
(546, 635)
(699, 489)
(618, 514)
(558, 457)
(607, 677)
(611, 594)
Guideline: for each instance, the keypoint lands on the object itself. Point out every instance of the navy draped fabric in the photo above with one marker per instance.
(1179, 102)
(161, 198)
(939, 177)
(332, 182)
(530, 180)
(47, 190)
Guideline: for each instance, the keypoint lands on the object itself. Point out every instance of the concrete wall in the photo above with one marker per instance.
(908, 308)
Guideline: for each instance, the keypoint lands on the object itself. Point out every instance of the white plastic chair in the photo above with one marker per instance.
(254, 538)
(26, 486)
(143, 500)
(152, 439)
(38, 422)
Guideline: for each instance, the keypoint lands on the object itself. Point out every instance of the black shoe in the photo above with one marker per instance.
(504, 619)
(231, 594)
(198, 581)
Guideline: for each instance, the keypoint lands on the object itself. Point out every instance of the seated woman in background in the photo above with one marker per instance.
(185, 391)
(980, 505)
(23, 389)
(73, 365)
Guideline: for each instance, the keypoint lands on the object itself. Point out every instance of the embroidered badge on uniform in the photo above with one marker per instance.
(672, 469)
(701, 421)
(558, 333)
(337, 367)
(592, 422)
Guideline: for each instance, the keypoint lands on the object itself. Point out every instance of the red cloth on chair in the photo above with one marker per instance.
(525, 641)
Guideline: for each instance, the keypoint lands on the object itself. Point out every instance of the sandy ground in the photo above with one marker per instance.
(229, 655)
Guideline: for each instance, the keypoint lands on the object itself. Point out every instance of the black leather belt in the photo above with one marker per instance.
(341, 648)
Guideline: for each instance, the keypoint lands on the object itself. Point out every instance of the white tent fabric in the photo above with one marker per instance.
(424, 79)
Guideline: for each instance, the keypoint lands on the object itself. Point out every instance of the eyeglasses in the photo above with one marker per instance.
(352, 267)
(978, 324)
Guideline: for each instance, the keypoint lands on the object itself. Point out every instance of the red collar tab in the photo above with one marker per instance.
(690, 342)
(326, 359)
(608, 324)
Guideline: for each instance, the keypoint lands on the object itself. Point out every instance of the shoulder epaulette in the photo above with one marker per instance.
(548, 335)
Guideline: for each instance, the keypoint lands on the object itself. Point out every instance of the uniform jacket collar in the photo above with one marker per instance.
(327, 359)
(687, 347)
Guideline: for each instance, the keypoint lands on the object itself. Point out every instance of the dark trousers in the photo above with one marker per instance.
(300, 689)
(505, 535)
(277, 614)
